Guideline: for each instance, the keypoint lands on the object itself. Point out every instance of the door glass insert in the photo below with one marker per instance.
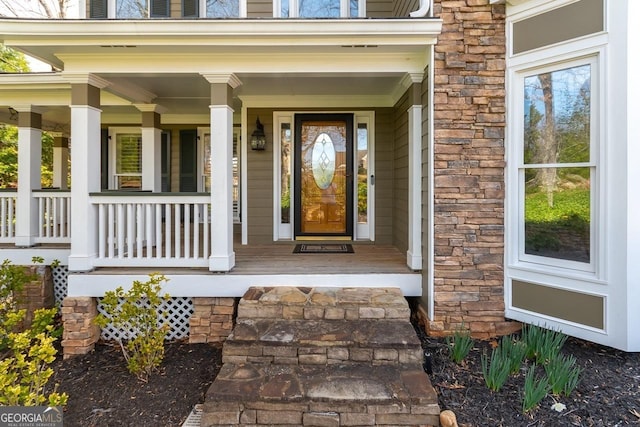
(285, 173)
(362, 156)
(325, 176)
(128, 161)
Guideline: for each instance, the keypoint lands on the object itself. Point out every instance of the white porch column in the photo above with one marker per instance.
(222, 256)
(29, 174)
(60, 162)
(151, 147)
(414, 251)
(85, 169)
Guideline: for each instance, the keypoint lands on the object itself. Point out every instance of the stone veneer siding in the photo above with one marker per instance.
(212, 319)
(469, 128)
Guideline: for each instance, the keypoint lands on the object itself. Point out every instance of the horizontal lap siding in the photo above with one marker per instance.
(379, 8)
(402, 8)
(383, 187)
(401, 174)
(259, 9)
(259, 209)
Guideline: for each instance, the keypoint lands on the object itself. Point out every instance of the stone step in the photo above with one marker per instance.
(321, 342)
(331, 395)
(323, 303)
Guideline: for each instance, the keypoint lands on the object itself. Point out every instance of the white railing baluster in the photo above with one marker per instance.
(167, 230)
(196, 230)
(177, 236)
(102, 241)
(187, 230)
(172, 231)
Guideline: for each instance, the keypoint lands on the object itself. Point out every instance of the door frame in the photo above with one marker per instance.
(299, 118)
(364, 128)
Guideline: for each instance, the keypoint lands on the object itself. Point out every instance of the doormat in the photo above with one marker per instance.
(317, 248)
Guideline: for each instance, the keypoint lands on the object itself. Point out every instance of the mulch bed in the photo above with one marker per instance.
(608, 394)
(103, 393)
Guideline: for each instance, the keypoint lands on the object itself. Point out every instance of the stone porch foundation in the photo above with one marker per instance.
(212, 319)
(36, 294)
(80, 330)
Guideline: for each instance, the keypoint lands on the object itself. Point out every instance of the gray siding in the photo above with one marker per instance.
(402, 8)
(383, 188)
(379, 8)
(401, 174)
(259, 209)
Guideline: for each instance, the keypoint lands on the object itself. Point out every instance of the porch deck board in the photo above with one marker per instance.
(280, 259)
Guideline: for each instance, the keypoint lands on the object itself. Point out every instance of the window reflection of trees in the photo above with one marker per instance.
(223, 8)
(131, 9)
(557, 131)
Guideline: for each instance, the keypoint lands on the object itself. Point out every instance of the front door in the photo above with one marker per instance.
(324, 175)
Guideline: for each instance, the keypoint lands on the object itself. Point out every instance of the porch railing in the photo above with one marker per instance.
(54, 211)
(140, 229)
(8, 199)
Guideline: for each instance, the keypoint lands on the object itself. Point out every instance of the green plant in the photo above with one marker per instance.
(25, 371)
(136, 312)
(459, 345)
(12, 280)
(514, 351)
(496, 372)
(543, 345)
(535, 389)
(563, 374)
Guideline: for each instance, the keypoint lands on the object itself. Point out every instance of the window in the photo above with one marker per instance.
(129, 9)
(128, 164)
(557, 169)
(211, 8)
(319, 8)
(557, 165)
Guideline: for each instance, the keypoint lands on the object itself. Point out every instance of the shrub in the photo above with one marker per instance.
(12, 280)
(563, 375)
(137, 313)
(25, 371)
(459, 345)
(495, 373)
(543, 345)
(535, 389)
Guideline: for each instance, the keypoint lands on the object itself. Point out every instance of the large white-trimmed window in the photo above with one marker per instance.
(319, 8)
(556, 115)
(126, 158)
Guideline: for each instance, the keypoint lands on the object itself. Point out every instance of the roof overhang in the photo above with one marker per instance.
(52, 40)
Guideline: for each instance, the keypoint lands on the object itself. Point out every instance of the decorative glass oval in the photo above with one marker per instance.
(323, 161)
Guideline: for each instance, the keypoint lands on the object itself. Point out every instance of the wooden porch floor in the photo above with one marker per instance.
(278, 258)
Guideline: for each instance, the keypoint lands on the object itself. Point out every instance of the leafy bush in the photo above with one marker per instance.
(136, 312)
(535, 389)
(459, 345)
(563, 375)
(25, 371)
(24, 368)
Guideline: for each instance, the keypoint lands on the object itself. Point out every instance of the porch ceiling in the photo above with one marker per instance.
(162, 62)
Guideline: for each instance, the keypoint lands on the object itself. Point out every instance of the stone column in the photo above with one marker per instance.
(85, 168)
(29, 174)
(80, 332)
(60, 162)
(222, 256)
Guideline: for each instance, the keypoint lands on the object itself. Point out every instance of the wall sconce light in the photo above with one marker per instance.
(258, 139)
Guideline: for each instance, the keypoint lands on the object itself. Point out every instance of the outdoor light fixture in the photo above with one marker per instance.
(258, 139)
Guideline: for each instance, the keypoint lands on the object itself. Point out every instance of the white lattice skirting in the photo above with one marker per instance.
(178, 311)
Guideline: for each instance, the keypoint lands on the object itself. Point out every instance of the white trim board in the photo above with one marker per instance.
(235, 285)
